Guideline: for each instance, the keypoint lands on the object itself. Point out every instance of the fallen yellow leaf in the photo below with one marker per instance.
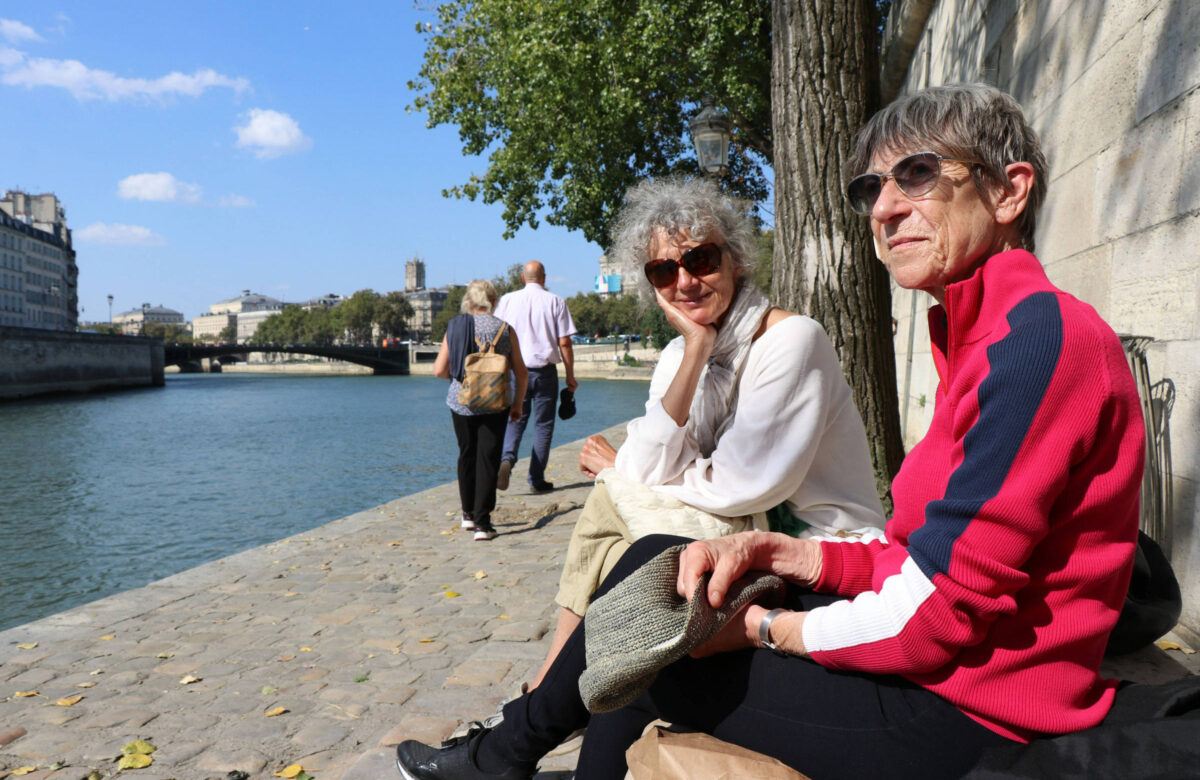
(165, 655)
(395, 544)
(452, 594)
(27, 646)
(481, 574)
(95, 672)
(107, 637)
(287, 657)
(276, 711)
(504, 617)
(135, 761)
(69, 700)
(306, 649)
(85, 685)
(290, 771)
(138, 747)
(26, 694)
(1166, 644)
(292, 593)
(446, 533)
(425, 640)
(189, 679)
(24, 770)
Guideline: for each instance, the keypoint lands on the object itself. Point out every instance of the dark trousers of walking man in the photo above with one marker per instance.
(540, 405)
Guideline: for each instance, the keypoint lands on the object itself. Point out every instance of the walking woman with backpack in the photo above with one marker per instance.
(480, 400)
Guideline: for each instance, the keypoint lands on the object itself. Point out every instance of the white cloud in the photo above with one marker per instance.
(15, 32)
(236, 202)
(89, 83)
(161, 187)
(271, 134)
(125, 235)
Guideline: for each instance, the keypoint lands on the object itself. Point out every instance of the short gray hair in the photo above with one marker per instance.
(676, 205)
(969, 121)
(480, 296)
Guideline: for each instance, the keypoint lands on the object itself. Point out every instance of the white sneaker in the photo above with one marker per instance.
(485, 534)
(467, 522)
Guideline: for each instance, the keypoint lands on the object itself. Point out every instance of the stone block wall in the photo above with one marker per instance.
(1113, 88)
(38, 362)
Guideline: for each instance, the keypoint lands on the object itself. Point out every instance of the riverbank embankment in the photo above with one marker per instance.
(41, 362)
(387, 624)
(324, 649)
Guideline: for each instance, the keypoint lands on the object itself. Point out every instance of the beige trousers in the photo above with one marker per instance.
(599, 540)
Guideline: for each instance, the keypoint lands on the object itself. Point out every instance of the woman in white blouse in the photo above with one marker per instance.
(748, 410)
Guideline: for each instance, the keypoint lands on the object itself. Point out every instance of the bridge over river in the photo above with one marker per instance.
(383, 360)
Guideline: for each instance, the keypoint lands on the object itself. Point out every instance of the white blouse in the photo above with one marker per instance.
(796, 437)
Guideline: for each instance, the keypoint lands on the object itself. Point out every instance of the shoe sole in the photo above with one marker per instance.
(403, 772)
(483, 536)
(502, 477)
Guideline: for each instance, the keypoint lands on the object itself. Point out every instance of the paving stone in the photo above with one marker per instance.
(479, 673)
(223, 761)
(320, 736)
(520, 631)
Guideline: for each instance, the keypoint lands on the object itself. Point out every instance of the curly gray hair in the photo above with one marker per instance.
(695, 206)
(968, 121)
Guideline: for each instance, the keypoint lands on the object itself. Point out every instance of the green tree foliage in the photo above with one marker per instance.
(169, 332)
(655, 324)
(359, 315)
(392, 315)
(228, 334)
(297, 325)
(575, 100)
(596, 316)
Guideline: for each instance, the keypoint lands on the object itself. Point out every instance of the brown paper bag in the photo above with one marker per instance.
(662, 754)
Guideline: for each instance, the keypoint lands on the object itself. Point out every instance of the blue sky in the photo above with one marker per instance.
(205, 148)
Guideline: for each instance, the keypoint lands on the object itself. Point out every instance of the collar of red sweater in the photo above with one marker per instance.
(975, 305)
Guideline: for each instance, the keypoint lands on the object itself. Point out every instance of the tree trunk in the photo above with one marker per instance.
(824, 86)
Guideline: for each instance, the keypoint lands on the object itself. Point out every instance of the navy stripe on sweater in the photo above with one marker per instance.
(1021, 366)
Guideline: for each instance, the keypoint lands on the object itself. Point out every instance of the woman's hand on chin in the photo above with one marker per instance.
(694, 334)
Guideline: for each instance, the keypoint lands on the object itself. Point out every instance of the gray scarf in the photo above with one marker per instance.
(716, 393)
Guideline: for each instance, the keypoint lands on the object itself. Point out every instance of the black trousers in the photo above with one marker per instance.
(825, 723)
(480, 439)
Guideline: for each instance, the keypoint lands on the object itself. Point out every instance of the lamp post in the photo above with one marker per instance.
(110, 309)
(711, 131)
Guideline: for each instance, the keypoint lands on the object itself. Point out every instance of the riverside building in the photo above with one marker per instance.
(226, 313)
(132, 322)
(38, 275)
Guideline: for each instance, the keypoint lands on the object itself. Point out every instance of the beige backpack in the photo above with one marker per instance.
(485, 386)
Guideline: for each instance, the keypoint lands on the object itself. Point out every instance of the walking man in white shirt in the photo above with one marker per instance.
(544, 328)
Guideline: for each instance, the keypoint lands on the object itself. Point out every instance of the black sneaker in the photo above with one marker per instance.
(541, 487)
(454, 760)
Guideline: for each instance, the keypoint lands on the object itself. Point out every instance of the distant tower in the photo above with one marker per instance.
(414, 275)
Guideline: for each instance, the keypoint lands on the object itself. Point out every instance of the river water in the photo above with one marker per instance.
(107, 492)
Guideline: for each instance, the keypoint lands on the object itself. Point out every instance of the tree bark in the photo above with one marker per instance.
(824, 86)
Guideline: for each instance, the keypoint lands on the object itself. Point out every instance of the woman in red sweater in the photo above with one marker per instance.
(982, 617)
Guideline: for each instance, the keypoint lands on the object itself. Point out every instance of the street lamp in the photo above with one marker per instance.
(110, 309)
(711, 131)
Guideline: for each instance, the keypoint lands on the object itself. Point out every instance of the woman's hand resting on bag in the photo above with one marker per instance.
(597, 454)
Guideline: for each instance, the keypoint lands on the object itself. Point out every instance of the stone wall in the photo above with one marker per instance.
(1112, 87)
(37, 362)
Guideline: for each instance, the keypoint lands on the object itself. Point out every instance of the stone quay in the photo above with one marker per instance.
(322, 650)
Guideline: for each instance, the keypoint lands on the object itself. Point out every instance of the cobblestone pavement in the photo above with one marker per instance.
(385, 625)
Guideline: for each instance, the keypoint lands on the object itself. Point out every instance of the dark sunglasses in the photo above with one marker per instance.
(699, 261)
(915, 175)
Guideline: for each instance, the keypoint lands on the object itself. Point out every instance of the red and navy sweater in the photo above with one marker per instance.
(1009, 554)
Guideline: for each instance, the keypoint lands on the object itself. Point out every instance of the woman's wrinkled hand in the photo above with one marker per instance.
(597, 454)
(727, 558)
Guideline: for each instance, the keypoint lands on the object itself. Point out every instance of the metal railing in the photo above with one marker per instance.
(1157, 399)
